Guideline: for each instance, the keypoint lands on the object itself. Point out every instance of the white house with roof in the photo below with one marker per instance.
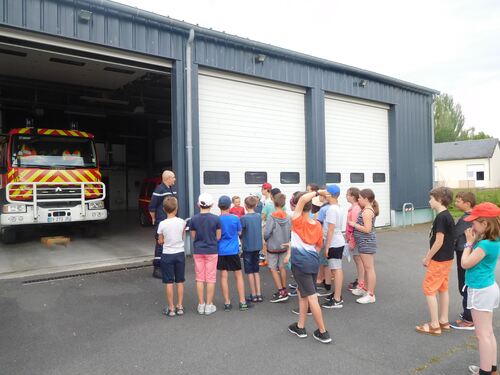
(467, 164)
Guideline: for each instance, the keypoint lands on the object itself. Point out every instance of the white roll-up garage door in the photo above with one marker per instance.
(251, 131)
(357, 149)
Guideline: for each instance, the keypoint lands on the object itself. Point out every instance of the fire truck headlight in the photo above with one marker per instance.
(99, 205)
(14, 208)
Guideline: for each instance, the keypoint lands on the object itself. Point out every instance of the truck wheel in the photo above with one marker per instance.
(8, 235)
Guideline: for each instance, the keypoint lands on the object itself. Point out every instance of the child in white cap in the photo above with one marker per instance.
(205, 231)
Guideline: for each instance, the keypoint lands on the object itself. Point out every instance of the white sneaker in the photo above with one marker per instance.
(359, 292)
(474, 369)
(366, 299)
(201, 309)
(210, 309)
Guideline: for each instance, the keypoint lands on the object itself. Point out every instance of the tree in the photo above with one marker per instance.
(449, 122)
(481, 135)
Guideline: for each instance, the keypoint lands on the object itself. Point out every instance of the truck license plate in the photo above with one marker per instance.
(60, 219)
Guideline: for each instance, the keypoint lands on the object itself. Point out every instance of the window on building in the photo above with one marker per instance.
(290, 177)
(255, 178)
(357, 178)
(475, 172)
(379, 177)
(333, 178)
(216, 178)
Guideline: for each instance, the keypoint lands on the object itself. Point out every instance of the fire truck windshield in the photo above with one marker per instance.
(41, 151)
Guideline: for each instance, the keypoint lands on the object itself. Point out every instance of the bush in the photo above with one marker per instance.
(482, 195)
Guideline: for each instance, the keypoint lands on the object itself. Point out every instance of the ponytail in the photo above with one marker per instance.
(376, 208)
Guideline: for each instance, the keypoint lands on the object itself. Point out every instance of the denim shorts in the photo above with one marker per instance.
(323, 261)
(173, 267)
(251, 261)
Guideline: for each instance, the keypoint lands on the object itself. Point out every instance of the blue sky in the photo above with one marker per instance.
(449, 45)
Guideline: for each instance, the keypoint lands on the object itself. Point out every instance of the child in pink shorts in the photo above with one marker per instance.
(205, 231)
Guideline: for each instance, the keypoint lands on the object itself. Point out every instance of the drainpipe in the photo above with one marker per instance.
(189, 123)
(433, 125)
(432, 138)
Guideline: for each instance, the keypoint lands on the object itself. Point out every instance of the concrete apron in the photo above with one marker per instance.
(123, 243)
(78, 269)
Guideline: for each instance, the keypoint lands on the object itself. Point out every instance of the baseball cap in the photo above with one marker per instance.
(257, 195)
(224, 201)
(316, 202)
(485, 209)
(333, 189)
(205, 200)
(267, 186)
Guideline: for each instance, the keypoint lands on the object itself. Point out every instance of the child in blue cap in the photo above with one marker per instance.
(229, 259)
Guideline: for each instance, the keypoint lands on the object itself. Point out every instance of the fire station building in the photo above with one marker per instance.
(223, 112)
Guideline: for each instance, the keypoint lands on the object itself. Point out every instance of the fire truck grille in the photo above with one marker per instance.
(58, 192)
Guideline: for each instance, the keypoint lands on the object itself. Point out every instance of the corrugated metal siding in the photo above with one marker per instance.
(410, 118)
(411, 144)
(105, 27)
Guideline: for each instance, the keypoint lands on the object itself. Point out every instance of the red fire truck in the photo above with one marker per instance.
(48, 176)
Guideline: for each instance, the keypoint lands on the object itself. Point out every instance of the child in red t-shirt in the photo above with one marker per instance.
(237, 209)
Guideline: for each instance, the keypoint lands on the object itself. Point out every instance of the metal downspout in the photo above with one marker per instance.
(433, 98)
(189, 123)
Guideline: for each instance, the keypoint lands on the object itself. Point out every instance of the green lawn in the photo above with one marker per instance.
(482, 195)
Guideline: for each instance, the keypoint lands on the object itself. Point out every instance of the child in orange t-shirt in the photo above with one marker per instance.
(306, 242)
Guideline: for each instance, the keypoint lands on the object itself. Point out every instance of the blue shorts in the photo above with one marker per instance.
(251, 261)
(322, 260)
(173, 267)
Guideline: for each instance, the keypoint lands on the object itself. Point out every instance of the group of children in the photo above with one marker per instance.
(309, 242)
(475, 239)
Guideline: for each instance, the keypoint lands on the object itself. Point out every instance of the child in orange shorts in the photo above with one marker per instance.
(438, 262)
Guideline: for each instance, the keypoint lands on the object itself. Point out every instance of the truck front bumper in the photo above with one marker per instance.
(52, 216)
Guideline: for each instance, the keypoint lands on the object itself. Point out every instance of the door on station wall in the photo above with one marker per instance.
(357, 149)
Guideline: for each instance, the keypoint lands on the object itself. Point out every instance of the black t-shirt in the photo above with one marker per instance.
(460, 228)
(445, 224)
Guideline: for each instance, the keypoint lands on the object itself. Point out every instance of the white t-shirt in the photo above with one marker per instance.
(335, 215)
(173, 231)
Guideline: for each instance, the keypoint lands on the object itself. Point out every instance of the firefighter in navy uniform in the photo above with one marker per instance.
(165, 189)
